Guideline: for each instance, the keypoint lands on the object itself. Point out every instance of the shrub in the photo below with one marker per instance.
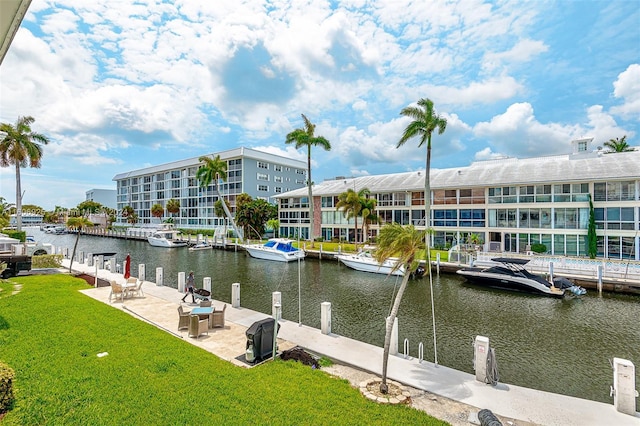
(12, 233)
(6, 387)
(46, 261)
(538, 248)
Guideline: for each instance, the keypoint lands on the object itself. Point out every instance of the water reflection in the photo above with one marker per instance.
(558, 345)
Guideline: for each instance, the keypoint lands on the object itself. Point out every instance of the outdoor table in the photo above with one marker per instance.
(204, 312)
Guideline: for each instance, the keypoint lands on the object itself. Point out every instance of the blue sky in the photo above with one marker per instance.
(122, 85)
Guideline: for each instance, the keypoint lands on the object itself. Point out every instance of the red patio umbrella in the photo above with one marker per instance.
(127, 267)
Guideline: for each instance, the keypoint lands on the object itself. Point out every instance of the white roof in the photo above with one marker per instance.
(499, 172)
(224, 155)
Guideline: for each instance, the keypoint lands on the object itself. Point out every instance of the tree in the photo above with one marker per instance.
(425, 121)
(592, 238)
(618, 145)
(78, 223)
(173, 206)
(216, 169)
(254, 215)
(369, 216)
(274, 225)
(127, 213)
(351, 202)
(5, 208)
(20, 146)
(404, 242)
(305, 138)
(157, 210)
(89, 206)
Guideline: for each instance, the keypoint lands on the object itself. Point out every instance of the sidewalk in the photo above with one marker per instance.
(159, 306)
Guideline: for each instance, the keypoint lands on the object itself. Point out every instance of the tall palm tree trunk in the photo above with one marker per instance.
(75, 246)
(389, 327)
(18, 199)
(309, 183)
(228, 214)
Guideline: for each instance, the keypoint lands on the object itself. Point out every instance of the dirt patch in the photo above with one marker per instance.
(300, 355)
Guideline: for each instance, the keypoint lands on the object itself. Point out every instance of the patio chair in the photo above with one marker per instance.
(217, 317)
(197, 326)
(137, 290)
(183, 318)
(116, 291)
(205, 304)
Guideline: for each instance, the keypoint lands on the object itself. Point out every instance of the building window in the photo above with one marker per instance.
(277, 179)
(417, 198)
(277, 189)
(472, 218)
(262, 176)
(277, 168)
(614, 191)
(263, 165)
(300, 171)
(400, 199)
(328, 202)
(471, 196)
(263, 188)
(445, 217)
(385, 200)
(615, 218)
(446, 196)
(505, 194)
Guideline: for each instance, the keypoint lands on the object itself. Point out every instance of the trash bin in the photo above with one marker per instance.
(260, 340)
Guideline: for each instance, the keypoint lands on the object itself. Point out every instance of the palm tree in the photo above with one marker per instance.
(369, 215)
(351, 205)
(305, 137)
(78, 223)
(157, 210)
(128, 212)
(173, 206)
(21, 147)
(404, 242)
(425, 121)
(5, 209)
(212, 169)
(618, 145)
(273, 224)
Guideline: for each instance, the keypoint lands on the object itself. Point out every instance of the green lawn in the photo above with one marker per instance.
(50, 335)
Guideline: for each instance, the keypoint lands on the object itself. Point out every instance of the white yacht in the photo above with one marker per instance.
(364, 261)
(166, 237)
(278, 249)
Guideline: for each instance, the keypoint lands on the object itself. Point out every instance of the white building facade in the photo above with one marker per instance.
(259, 174)
(510, 204)
(106, 197)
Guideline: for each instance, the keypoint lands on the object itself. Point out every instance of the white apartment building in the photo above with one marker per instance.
(509, 203)
(259, 174)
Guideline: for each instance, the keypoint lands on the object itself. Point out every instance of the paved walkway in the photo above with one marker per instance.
(159, 306)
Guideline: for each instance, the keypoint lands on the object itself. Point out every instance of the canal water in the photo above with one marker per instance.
(556, 345)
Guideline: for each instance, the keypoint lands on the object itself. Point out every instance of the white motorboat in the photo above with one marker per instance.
(510, 274)
(166, 237)
(278, 249)
(201, 245)
(364, 261)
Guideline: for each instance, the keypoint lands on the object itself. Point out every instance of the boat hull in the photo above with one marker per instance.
(161, 242)
(369, 265)
(479, 276)
(198, 248)
(265, 253)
